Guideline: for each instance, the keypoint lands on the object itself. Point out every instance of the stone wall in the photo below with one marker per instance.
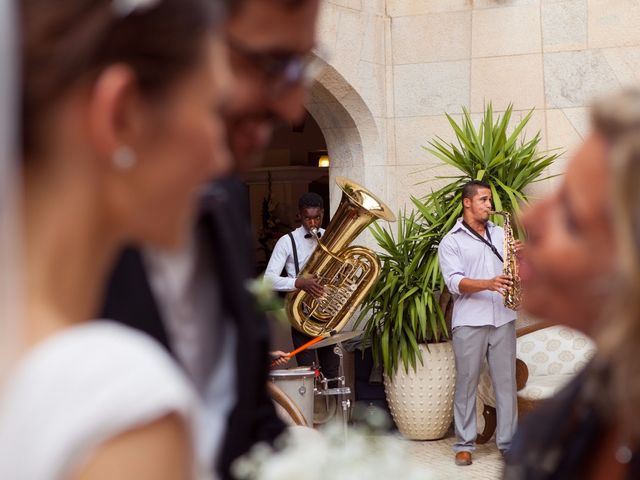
(395, 67)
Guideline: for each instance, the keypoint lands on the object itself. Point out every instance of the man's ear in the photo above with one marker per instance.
(114, 113)
(466, 202)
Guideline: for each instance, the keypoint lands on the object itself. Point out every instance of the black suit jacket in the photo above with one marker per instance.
(129, 299)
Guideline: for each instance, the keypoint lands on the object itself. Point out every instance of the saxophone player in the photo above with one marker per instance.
(470, 257)
(291, 253)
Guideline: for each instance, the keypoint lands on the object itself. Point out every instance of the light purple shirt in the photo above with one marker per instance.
(462, 255)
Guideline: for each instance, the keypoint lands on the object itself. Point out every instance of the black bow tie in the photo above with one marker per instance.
(309, 235)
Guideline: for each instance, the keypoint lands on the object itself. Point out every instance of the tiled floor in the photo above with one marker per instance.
(437, 458)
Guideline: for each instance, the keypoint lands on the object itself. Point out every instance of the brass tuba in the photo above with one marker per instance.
(347, 273)
(513, 295)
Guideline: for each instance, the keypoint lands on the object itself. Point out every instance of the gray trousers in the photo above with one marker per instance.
(471, 345)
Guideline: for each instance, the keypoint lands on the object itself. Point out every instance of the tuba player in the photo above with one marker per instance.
(290, 255)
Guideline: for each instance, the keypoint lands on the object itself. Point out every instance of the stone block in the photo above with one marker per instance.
(579, 119)
(537, 123)
(391, 155)
(349, 44)
(562, 133)
(625, 63)
(431, 38)
(414, 133)
(399, 8)
(614, 23)
(371, 86)
(506, 31)
(504, 80)
(572, 79)
(373, 48)
(430, 88)
(352, 4)
(327, 32)
(389, 95)
(564, 26)
(481, 4)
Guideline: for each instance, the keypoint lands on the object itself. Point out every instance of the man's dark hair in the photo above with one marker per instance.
(310, 200)
(469, 189)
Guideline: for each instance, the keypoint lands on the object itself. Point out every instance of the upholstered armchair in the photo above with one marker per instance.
(547, 359)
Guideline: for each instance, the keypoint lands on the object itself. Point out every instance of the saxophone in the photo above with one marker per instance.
(513, 295)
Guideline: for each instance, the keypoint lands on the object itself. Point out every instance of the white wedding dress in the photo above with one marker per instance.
(80, 388)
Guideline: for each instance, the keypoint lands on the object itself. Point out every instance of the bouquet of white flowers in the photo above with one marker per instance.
(306, 454)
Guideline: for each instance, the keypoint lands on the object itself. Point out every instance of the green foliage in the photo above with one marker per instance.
(403, 304)
(505, 161)
(402, 310)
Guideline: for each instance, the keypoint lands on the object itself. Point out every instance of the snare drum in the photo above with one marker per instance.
(298, 385)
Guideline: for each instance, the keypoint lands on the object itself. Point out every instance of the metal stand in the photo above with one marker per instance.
(342, 391)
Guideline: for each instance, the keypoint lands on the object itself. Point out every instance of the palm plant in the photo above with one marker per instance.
(505, 161)
(404, 308)
(399, 305)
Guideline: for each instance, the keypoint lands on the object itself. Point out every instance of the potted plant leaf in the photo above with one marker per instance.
(404, 313)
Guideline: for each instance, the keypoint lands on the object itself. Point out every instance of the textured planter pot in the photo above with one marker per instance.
(421, 402)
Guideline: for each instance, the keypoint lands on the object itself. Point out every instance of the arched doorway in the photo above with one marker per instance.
(351, 134)
(294, 163)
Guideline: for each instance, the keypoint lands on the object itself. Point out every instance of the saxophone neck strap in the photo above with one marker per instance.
(484, 240)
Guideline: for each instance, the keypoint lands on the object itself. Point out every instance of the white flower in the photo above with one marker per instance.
(304, 453)
(266, 299)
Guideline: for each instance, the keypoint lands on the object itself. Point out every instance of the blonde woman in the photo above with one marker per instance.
(120, 128)
(581, 268)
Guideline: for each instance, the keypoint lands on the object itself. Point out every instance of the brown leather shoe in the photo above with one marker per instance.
(463, 459)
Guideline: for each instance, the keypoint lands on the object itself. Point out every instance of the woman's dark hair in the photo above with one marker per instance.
(65, 42)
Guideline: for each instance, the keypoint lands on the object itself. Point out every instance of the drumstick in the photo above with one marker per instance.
(313, 341)
(301, 348)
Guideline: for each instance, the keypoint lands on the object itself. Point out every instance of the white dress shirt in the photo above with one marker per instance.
(282, 258)
(463, 255)
(204, 341)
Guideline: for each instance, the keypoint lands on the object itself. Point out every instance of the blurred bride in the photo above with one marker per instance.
(581, 268)
(120, 127)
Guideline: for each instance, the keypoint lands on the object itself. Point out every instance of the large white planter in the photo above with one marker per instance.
(421, 402)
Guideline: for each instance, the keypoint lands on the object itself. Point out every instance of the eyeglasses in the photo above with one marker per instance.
(281, 72)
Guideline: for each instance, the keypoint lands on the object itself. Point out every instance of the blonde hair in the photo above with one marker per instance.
(617, 119)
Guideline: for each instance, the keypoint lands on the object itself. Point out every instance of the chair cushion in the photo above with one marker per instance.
(555, 351)
(543, 386)
(552, 355)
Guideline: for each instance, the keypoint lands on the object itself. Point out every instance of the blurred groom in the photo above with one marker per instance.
(195, 302)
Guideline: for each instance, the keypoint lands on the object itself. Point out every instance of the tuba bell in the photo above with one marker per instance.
(347, 273)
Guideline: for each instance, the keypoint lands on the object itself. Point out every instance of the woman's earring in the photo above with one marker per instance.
(124, 158)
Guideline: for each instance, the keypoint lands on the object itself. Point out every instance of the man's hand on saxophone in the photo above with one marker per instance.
(498, 284)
